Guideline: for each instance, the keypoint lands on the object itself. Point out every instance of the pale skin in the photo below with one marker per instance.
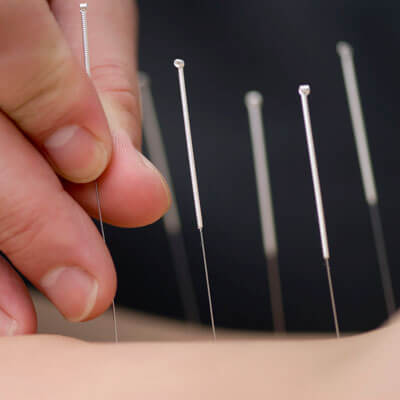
(48, 167)
(363, 367)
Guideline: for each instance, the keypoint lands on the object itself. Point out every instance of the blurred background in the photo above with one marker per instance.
(230, 48)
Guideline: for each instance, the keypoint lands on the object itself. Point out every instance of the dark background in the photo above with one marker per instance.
(231, 47)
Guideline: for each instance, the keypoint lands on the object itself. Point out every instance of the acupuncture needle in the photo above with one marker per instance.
(254, 101)
(83, 10)
(172, 220)
(345, 53)
(180, 64)
(304, 91)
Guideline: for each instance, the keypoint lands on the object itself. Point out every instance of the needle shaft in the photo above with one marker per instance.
(253, 101)
(83, 9)
(179, 64)
(360, 136)
(379, 239)
(332, 296)
(203, 250)
(304, 91)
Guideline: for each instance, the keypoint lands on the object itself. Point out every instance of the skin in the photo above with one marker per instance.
(47, 189)
(182, 362)
(358, 368)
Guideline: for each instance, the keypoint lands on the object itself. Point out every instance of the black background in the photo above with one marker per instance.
(231, 47)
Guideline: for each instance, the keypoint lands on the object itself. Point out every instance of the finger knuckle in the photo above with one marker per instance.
(19, 230)
(114, 79)
(43, 100)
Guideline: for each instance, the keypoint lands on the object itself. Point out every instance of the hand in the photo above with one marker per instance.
(56, 120)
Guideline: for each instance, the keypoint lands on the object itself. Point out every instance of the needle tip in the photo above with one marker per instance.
(304, 90)
(344, 49)
(84, 6)
(179, 63)
(253, 98)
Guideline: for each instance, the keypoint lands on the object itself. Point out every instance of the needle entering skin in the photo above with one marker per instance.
(83, 10)
(254, 101)
(180, 64)
(304, 91)
(360, 135)
(172, 220)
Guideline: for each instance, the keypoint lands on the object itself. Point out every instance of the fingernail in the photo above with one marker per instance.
(72, 291)
(8, 326)
(151, 166)
(76, 154)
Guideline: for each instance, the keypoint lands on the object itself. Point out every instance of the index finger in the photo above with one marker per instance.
(132, 193)
(112, 32)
